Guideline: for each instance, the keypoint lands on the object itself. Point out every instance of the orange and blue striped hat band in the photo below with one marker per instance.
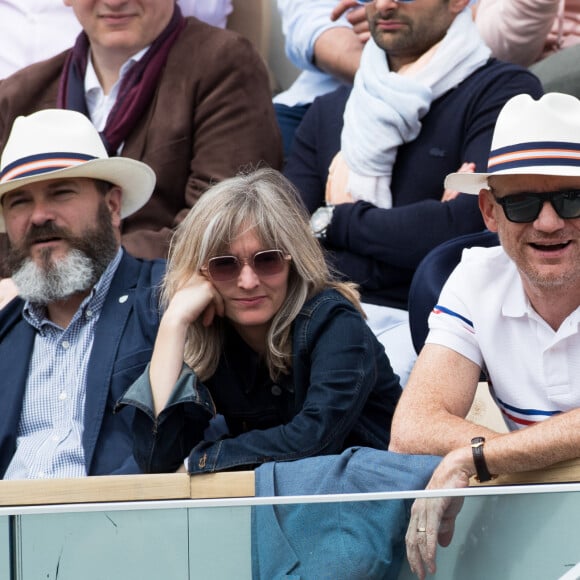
(42, 163)
(534, 154)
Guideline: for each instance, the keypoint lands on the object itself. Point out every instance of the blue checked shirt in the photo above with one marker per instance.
(49, 440)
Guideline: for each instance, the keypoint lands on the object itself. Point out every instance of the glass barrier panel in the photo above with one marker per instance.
(521, 536)
(505, 533)
(5, 547)
(500, 536)
(104, 545)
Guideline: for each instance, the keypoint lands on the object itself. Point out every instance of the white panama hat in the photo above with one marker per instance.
(531, 137)
(59, 143)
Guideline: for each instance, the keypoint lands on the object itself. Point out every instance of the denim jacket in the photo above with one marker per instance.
(341, 392)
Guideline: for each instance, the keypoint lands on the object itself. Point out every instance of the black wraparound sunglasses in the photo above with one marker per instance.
(524, 208)
(265, 263)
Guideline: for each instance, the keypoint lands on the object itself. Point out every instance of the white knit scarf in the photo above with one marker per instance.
(385, 108)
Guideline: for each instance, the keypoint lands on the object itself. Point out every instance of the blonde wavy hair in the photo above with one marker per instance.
(267, 204)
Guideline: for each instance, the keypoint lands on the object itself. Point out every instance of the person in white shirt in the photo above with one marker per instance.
(33, 30)
(512, 312)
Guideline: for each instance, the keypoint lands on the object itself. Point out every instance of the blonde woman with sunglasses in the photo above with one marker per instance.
(257, 332)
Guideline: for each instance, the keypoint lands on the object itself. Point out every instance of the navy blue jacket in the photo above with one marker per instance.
(341, 392)
(122, 347)
(381, 248)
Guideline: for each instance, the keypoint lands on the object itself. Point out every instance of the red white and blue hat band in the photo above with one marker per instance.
(42, 163)
(534, 154)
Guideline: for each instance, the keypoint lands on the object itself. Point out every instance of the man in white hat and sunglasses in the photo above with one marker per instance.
(82, 329)
(511, 311)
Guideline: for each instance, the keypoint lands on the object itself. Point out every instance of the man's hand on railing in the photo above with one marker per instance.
(432, 520)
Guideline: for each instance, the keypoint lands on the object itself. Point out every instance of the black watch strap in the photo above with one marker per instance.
(481, 470)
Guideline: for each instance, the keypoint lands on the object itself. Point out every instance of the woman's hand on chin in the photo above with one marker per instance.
(196, 297)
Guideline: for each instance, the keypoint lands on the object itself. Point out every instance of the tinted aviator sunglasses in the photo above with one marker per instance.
(524, 208)
(265, 263)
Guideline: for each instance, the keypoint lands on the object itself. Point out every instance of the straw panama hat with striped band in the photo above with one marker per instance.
(531, 137)
(63, 144)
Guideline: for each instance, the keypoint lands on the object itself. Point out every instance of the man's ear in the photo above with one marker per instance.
(456, 6)
(113, 199)
(487, 207)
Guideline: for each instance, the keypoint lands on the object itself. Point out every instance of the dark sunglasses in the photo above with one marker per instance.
(265, 263)
(523, 208)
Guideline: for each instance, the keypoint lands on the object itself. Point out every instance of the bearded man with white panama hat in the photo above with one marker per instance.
(83, 326)
(512, 311)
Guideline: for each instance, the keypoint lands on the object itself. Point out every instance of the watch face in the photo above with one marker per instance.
(320, 219)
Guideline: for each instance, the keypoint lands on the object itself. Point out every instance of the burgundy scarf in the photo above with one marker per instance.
(136, 90)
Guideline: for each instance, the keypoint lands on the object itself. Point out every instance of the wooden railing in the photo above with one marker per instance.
(485, 412)
(113, 488)
(564, 472)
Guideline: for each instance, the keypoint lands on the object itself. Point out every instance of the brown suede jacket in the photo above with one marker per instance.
(210, 117)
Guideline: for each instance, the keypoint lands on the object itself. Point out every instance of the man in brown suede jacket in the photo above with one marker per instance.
(190, 100)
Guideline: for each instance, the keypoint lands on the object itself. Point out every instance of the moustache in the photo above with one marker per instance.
(386, 16)
(44, 232)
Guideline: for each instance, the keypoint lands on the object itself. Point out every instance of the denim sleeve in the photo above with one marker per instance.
(161, 444)
(341, 373)
(303, 21)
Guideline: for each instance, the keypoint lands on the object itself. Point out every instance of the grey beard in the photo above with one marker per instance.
(74, 273)
(78, 271)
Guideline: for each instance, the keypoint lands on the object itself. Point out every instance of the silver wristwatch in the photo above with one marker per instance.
(320, 221)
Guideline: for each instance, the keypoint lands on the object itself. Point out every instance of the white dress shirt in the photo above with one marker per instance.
(34, 30)
(303, 21)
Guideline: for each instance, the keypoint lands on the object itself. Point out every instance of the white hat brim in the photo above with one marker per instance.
(466, 182)
(473, 183)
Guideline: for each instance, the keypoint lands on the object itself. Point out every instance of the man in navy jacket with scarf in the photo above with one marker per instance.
(83, 326)
(424, 102)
